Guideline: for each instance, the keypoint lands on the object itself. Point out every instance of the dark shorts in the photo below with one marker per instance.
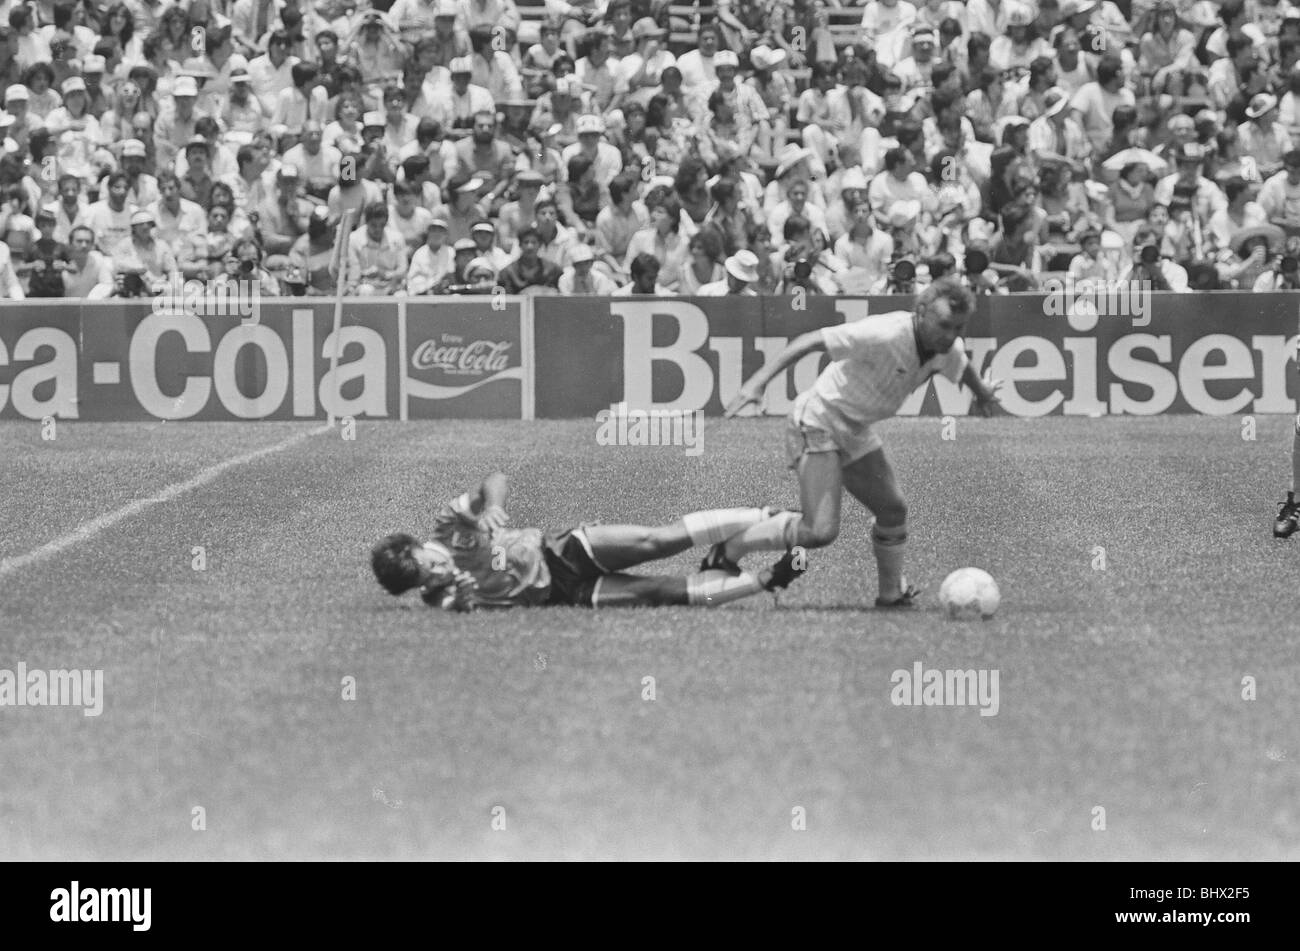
(574, 572)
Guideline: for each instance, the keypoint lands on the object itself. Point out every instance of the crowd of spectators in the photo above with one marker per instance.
(638, 147)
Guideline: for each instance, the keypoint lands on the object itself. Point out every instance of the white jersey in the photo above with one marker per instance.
(877, 365)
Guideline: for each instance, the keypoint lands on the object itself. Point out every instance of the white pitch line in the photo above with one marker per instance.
(92, 528)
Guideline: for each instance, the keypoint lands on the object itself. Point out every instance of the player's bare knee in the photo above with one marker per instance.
(818, 535)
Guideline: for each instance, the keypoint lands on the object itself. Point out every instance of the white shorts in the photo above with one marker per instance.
(803, 436)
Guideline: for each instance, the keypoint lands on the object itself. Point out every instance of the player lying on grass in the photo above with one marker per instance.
(475, 560)
(876, 364)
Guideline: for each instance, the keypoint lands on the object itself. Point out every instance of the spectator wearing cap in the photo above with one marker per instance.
(318, 164)
(242, 114)
(16, 99)
(463, 207)
(177, 219)
(748, 110)
(92, 71)
(606, 160)
(1056, 135)
(824, 112)
(581, 277)
(1205, 196)
(1015, 49)
(916, 70)
(377, 256)
(1262, 136)
(142, 254)
(484, 235)
(1163, 274)
(776, 92)
(272, 72)
(46, 259)
(75, 131)
(740, 274)
(1096, 102)
(175, 126)
(283, 214)
(515, 215)
(1280, 195)
(433, 261)
(493, 68)
(696, 65)
(643, 68)
(302, 102)
(864, 249)
(601, 73)
(530, 269)
(516, 115)
(457, 105)
(110, 218)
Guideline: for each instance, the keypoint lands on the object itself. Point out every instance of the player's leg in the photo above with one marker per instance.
(1288, 516)
(616, 547)
(816, 526)
(703, 589)
(870, 480)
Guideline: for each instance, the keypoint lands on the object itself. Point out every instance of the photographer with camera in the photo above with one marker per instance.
(900, 277)
(1283, 272)
(805, 262)
(243, 267)
(1150, 267)
(143, 263)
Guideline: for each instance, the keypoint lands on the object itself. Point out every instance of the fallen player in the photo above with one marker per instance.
(475, 560)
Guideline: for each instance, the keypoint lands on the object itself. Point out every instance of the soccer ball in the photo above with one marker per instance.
(969, 593)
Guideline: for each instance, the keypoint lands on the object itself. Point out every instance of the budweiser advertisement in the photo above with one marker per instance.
(1215, 353)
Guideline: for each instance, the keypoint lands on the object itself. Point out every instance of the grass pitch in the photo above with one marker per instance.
(1140, 586)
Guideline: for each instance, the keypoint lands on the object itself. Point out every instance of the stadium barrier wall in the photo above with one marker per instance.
(565, 357)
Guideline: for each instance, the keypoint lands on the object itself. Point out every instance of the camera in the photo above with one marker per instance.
(902, 271)
(977, 262)
(131, 285)
(1149, 255)
(801, 270)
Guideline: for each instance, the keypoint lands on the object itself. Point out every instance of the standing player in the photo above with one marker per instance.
(1288, 516)
(877, 363)
(474, 559)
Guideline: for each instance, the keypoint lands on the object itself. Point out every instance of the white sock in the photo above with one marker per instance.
(717, 525)
(777, 533)
(711, 588)
(889, 545)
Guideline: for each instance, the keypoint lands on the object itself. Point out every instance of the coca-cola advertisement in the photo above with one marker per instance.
(465, 359)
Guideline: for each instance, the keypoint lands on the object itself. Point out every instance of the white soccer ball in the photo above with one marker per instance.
(969, 593)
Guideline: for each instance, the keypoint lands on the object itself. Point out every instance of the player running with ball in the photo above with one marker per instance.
(876, 364)
(475, 560)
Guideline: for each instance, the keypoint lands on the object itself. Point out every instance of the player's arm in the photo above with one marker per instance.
(985, 391)
(490, 506)
(796, 349)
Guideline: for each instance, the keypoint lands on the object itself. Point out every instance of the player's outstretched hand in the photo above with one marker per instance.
(464, 599)
(494, 517)
(748, 394)
(988, 401)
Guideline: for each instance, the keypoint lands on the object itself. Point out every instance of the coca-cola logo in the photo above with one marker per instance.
(452, 355)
